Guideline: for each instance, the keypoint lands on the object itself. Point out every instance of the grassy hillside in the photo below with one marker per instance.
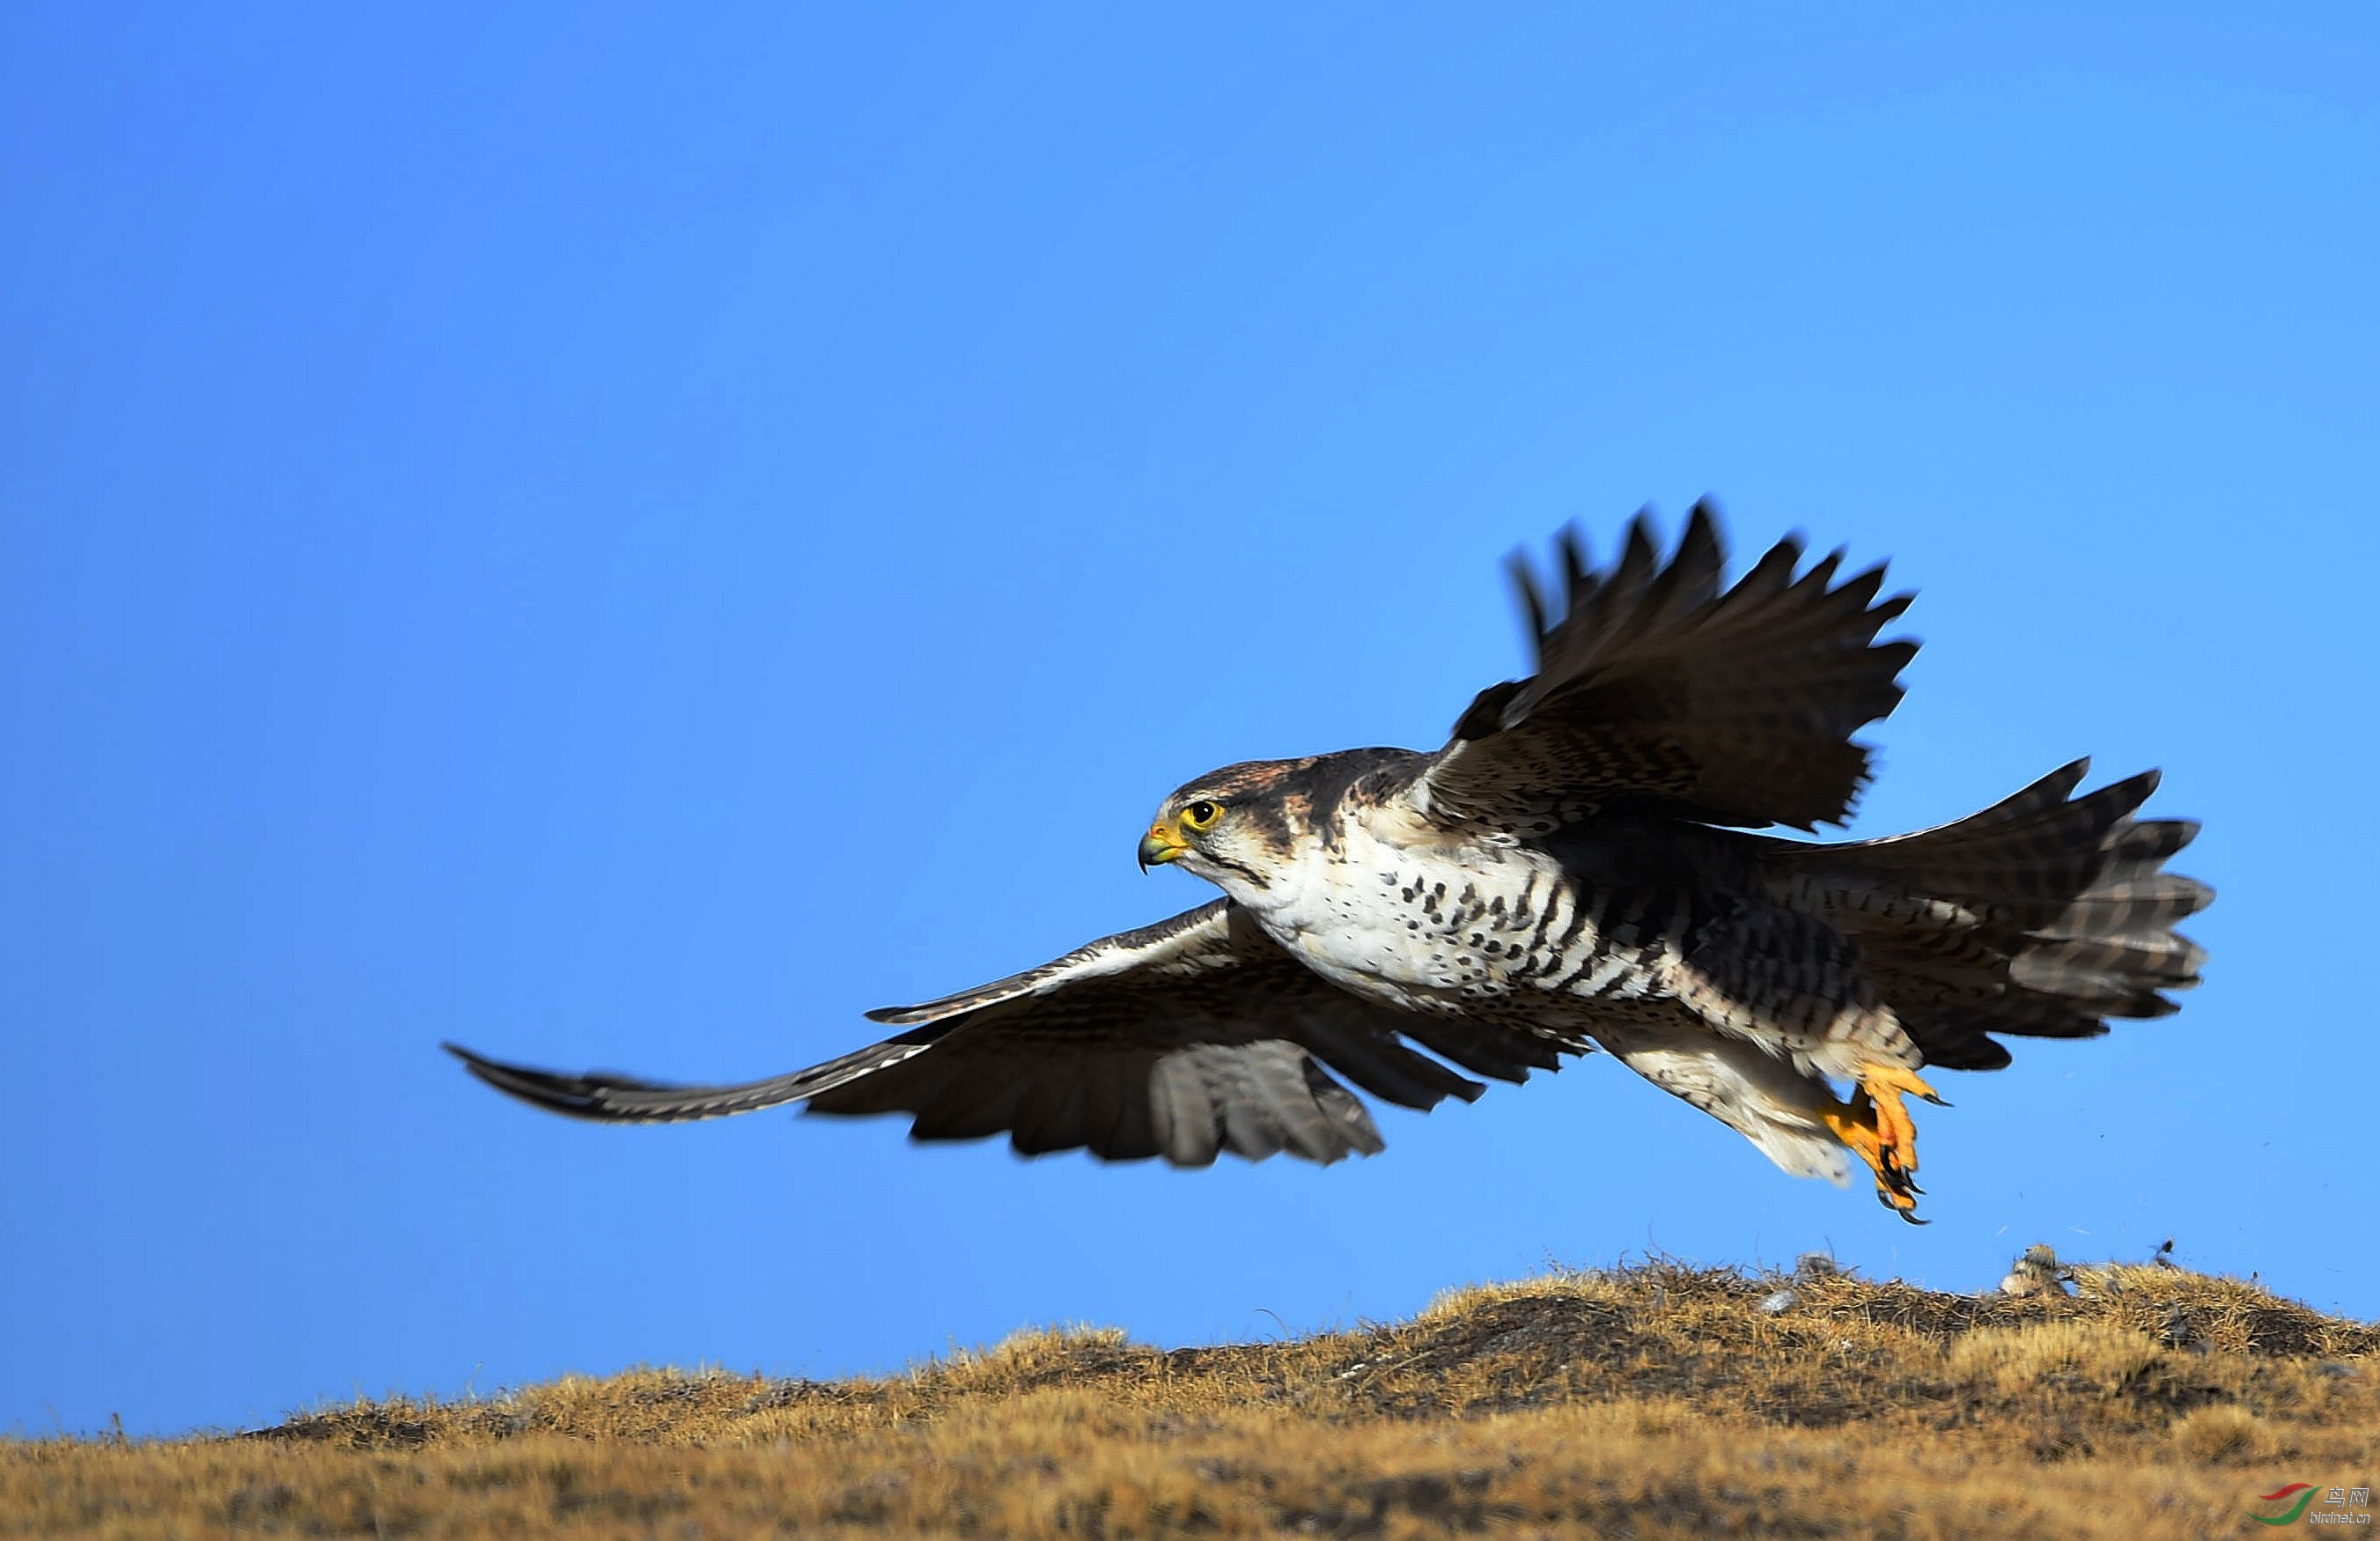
(1658, 1401)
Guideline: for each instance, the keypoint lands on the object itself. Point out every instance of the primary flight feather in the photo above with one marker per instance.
(1573, 870)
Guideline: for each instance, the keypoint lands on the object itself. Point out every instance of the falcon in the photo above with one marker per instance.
(1575, 869)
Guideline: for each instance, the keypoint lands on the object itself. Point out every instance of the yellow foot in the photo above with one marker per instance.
(1876, 1126)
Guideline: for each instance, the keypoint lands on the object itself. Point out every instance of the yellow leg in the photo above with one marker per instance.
(1876, 1126)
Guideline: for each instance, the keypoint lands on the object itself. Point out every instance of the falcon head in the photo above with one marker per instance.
(1245, 827)
(1238, 828)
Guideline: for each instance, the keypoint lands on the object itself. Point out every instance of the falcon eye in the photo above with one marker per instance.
(1201, 815)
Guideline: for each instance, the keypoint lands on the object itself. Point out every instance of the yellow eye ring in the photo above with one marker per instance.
(1200, 815)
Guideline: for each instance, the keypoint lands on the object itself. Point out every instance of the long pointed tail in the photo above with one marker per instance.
(2041, 917)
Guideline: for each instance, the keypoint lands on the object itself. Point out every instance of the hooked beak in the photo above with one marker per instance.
(1159, 846)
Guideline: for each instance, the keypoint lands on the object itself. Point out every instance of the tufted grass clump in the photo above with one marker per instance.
(1659, 1399)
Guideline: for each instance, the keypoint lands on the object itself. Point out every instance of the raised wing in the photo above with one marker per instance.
(1180, 1039)
(1655, 689)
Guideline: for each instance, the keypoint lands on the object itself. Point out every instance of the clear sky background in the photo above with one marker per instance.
(626, 541)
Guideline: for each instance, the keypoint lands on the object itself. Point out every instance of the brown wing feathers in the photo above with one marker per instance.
(1194, 1036)
(606, 1098)
(1655, 686)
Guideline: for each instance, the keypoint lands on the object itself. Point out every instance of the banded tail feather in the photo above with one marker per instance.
(2039, 916)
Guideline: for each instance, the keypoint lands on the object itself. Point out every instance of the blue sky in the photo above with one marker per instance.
(626, 541)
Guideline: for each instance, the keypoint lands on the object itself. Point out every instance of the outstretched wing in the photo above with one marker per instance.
(1655, 687)
(1180, 1039)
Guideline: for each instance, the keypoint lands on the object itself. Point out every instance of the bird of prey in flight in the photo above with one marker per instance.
(1573, 869)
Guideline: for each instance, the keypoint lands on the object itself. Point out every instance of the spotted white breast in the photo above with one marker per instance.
(1449, 928)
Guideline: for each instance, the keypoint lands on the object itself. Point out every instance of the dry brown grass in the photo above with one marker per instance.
(1658, 1401)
